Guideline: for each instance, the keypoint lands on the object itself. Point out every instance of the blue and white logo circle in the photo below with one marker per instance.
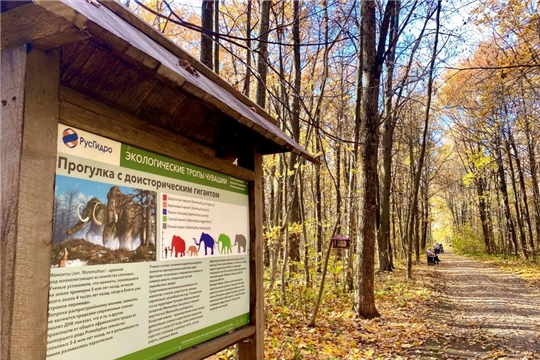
(70, 138)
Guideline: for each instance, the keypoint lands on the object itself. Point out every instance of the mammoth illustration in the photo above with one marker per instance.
(123, 220)
(240, 240)
(93, 216)
(225, 242)
(192, 251)
(208, 243)
(178, 245)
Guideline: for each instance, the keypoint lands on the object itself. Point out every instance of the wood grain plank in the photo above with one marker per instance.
(72, 62)
(87, 114)
(11, 130)
(69, 35)
(254, 349)
(70, 96)
(6, 5)
(173, 48)
(213, 346)
(27, 201)
(29, 22)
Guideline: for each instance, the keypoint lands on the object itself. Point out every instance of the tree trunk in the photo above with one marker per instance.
(216, 38)
(295, 126)
(286, 248)
(318, 206)
(425, 132)
(262, 50)
(266, 222)
(487, 227)
(369, 139)
(385, 263)
(339, 210)
(527, 215)
(354, 218)
(534, 178)
(304, 230)
(277, 217)
(519, 213)
(318, 142)
(410, 216)
(207, 14)
(504, 193)
(416, 237)
(353, 207)
(247, 81)
(425, 216)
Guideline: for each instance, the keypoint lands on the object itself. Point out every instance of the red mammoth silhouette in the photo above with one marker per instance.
(178, 246)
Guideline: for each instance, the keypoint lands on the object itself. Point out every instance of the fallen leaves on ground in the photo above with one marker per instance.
(407, 308)
(406, 321)
(524, 269)
(408, 328)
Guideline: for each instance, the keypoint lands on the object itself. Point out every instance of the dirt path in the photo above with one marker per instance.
(489, 314)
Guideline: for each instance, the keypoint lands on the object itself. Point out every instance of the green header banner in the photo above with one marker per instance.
(146, 161)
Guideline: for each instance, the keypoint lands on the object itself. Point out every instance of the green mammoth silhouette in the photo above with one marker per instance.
(225, 242)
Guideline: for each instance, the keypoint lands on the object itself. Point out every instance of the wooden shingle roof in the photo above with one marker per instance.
(110, 54)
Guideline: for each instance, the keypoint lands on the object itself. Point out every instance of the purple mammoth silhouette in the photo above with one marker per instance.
(208, 242)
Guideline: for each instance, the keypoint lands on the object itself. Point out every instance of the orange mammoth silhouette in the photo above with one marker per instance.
(193, 251)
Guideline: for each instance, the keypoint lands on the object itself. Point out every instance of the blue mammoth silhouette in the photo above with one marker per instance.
(208, 243)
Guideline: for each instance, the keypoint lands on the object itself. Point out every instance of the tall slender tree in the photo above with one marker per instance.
(419, 170)
(294, 181)
(262, 51)
(371, 58)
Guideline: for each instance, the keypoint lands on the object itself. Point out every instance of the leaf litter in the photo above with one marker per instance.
(433, 316)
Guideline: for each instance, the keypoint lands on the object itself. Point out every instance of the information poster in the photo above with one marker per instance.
(150, 254)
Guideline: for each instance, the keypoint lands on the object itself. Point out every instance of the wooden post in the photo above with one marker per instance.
(253, 347)
(28, 133)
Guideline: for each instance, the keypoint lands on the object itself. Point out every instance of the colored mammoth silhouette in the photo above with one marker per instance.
(92, 217)
(241, 241)
(208, 242)
(225, 242)
(192, 251)
(178, 246)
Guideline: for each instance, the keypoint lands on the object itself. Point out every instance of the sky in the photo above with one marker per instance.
(87, 189)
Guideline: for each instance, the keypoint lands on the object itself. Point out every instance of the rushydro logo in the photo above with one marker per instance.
(88, 146)
(70, 138)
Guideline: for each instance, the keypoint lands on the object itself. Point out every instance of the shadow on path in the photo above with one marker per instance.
(490, 314)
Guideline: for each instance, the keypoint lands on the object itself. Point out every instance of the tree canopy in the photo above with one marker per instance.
(425, 116)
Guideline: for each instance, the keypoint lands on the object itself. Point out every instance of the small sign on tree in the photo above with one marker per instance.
(341, 242)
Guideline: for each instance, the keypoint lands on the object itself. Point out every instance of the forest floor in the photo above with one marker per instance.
(461, 308)
(492, 314)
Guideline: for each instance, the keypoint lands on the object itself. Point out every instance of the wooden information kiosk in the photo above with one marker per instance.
(131, 194)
